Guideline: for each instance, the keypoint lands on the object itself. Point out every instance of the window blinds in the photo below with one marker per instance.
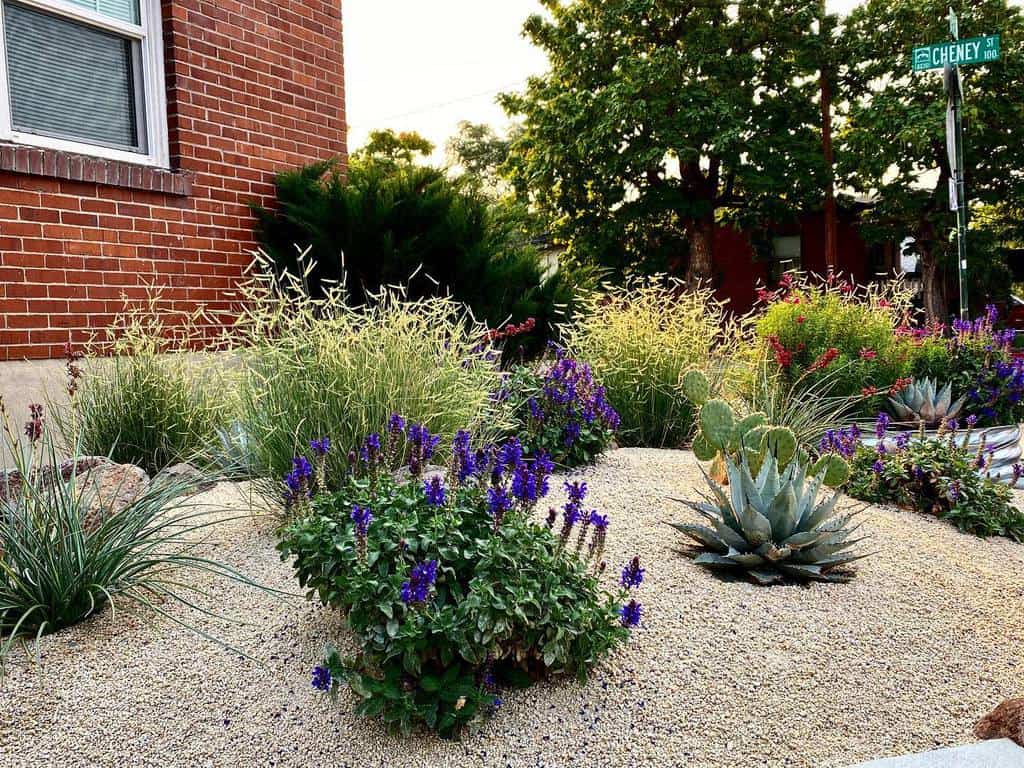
(71, 80)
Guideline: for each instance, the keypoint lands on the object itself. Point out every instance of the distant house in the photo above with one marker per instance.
(745, 260)
(133, 136)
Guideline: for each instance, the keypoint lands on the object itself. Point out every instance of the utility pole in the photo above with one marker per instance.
(826, 142)
(956, 103)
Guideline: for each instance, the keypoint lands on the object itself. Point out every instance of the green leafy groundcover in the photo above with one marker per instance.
(938, 477)
(449, 586)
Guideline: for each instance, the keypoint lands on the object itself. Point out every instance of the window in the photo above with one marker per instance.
(786, 255)
(84, 76)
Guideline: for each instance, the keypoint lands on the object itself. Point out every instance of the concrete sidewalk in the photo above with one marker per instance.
(999, 753)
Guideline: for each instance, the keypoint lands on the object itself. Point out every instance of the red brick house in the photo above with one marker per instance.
(134, 134)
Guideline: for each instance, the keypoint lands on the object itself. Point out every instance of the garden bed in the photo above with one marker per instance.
(904, 658)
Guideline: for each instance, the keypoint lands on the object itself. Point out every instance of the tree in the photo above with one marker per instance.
(659, 117)
(481, 152)
(392, 149)
(893, 143)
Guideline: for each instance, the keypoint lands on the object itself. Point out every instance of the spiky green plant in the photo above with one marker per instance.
(923, 402)
(61, 562)
(773, 526)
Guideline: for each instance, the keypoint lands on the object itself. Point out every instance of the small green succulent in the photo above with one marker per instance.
(772, 525)
(923, 402)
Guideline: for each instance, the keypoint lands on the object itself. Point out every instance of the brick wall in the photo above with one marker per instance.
(253, 87)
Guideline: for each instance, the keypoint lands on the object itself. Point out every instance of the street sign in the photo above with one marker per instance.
(975, 50)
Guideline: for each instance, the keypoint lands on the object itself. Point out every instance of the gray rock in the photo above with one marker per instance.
(185, 474)
(1000, 753)
(105, 488)
(402, 475)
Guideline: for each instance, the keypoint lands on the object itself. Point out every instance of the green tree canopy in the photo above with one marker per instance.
(659, 116)
(893, 141)
(391, 149)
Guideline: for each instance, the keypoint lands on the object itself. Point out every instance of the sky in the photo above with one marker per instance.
(422, 66)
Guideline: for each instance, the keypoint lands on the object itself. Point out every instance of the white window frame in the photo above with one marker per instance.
(152, 112)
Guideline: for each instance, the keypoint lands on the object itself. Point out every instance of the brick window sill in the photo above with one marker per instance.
(58, 164)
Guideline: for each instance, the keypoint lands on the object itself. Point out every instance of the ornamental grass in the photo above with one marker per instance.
(318, 366)
(142, 395)
(639, 338)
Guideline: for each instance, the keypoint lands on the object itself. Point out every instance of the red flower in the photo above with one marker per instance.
(765, 296)
(869, 391)
(900, 385)
(801, 319)
(883, 303)
(783, 356)
(792, 299)
(868, 354)
(825, 359)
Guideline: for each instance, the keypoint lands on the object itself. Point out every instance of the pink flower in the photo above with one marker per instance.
(868, 354)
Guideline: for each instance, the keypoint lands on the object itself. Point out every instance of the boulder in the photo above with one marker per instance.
(184, 474)
(104, 487)
(1004, 722)
(403, 475)
(107, 489)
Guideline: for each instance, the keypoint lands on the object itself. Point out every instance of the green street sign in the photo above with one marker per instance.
(976, 50)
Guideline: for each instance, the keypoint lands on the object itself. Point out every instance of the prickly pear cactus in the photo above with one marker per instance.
(702, 449)
(836, 470)
(781, 443)
(716, 423)
(696, 387)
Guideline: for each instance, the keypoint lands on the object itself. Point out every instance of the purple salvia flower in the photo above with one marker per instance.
(433, 489)
(630, 614)
(632, 574)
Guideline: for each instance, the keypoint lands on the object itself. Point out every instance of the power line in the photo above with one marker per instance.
(439, 105)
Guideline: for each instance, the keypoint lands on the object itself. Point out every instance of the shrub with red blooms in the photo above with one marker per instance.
(813, 328)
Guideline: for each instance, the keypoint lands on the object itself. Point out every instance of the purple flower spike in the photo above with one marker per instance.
(631, 613)
(322, 678)
(433, 489)
(421, 578)
(632, 574)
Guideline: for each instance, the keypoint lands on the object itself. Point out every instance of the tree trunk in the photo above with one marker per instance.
(702, 238)
(933, 294)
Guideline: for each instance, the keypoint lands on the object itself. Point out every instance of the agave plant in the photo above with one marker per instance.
(923, 402)
(773, 526)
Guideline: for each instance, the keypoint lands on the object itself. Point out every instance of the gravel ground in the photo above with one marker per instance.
(722, 673)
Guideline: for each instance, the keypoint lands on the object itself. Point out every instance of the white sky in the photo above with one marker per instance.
(424, 65)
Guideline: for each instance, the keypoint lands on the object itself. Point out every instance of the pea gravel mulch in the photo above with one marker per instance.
(721, 673)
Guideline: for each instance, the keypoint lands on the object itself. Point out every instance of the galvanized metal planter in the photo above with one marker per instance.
(1004, 442)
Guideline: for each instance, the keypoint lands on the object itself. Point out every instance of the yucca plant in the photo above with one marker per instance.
(773, 526)
(65, 554)
(923, 402)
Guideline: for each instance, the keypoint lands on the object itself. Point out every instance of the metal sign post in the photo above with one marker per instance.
(949, 56)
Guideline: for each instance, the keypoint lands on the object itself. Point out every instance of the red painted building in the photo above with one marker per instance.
(134, 135)
(741, 266)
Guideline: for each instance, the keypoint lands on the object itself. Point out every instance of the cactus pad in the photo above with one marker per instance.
(716, 422)
(781, 443)
(696, 387)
